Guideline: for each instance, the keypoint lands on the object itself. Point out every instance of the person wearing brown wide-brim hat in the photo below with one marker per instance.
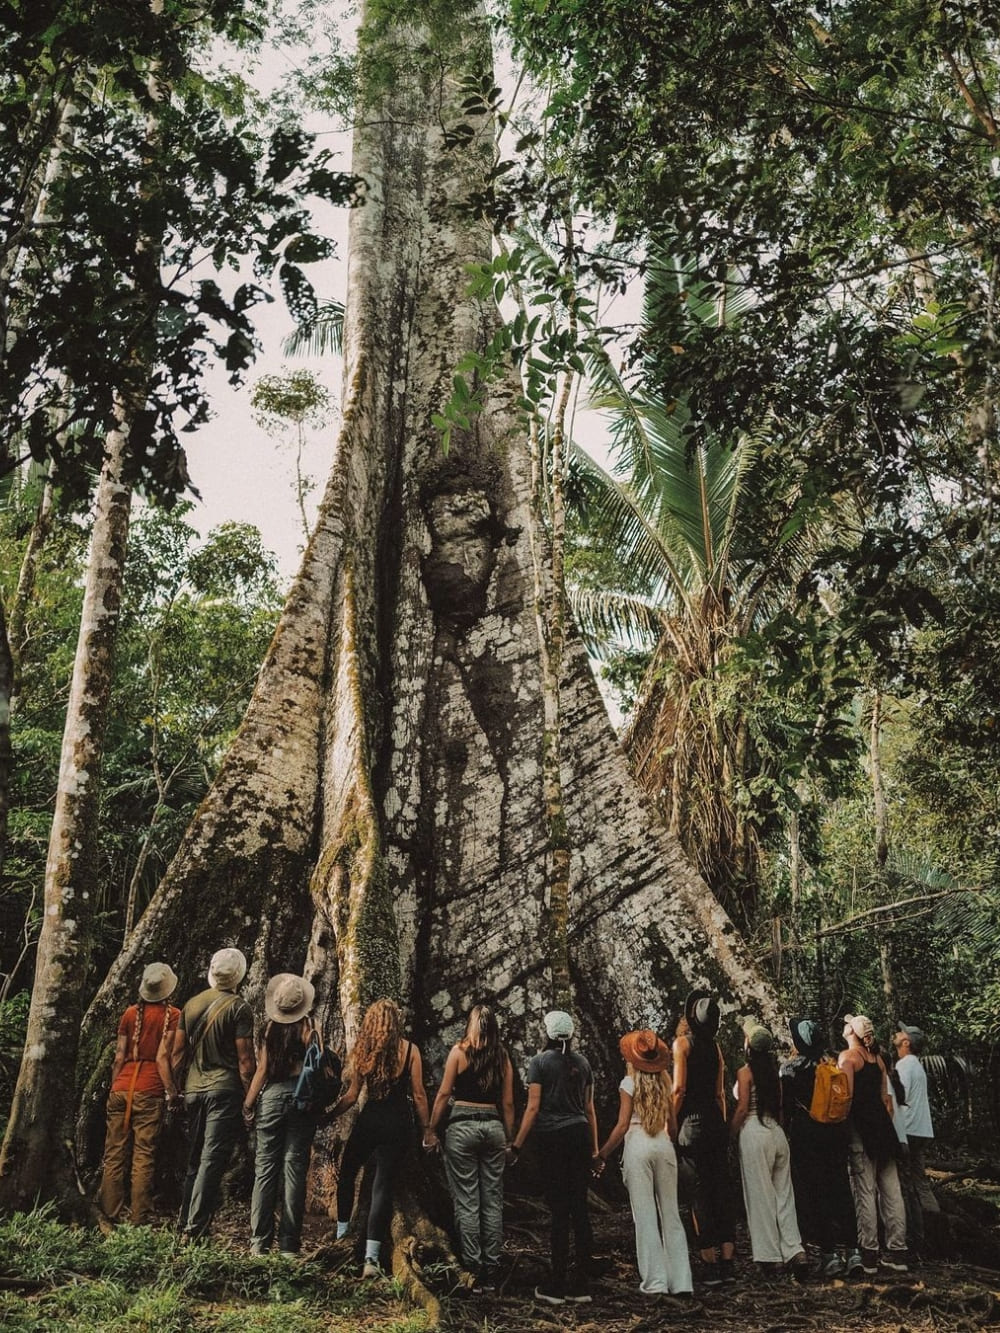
(136, 1101)
(700, 1103)
(647, 1126)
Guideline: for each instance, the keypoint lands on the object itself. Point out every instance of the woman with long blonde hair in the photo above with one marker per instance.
(648, 1126)
(479, 1082)
(388, 1067)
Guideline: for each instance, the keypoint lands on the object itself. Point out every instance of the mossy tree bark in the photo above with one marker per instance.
(380, 817)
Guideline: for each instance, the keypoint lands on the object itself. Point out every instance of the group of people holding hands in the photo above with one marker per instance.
(818, 1138)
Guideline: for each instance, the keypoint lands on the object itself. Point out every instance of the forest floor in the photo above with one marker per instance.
(54, 1278)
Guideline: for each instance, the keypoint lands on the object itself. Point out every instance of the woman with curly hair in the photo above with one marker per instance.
(648, 1125)
(388, 1067)
(765, 1163)
(479, 1081)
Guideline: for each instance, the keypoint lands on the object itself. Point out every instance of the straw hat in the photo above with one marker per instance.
(288, 998)
(862, 1027)
(159, 981)
(644, 1050)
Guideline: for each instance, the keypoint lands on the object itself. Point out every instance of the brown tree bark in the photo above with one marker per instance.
(380, 817)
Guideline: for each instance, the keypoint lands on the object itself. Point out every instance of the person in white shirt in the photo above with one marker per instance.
(909, 1043)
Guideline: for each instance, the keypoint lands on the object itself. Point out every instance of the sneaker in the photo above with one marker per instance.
(485, 1282)
(895, 1260)
(853, 1266)
(550, 1294)
(710, 1275)
(798, 1266)
(831, 1265)
(371, 1269)
(288, 1254)
(578, 1292)
(869, 1262)
(727, 1270)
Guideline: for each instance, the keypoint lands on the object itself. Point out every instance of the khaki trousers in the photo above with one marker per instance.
(142, 1134)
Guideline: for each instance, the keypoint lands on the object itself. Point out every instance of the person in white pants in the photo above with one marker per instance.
(765, 1162)
(647, 1124)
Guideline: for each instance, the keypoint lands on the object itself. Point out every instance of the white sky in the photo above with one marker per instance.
(244, 475)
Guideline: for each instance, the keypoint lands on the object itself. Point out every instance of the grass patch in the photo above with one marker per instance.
(141, 1280)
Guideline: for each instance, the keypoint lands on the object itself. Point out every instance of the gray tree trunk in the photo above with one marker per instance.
(380, 816)
(34, 1161)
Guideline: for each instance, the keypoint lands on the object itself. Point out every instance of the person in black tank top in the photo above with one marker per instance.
(700, 1103)
(872, 1153)
(479, 1082)
(389, 1069)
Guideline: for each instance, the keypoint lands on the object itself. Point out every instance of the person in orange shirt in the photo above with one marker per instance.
(136, 1102)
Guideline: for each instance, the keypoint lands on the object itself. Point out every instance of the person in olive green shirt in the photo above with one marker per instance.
(215, 1032)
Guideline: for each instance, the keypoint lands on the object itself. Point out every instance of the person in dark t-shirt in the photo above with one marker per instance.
(561, 1112)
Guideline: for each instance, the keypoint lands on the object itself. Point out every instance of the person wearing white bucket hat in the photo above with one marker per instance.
(284, 1133)
(136, 1101)
(215, 1033)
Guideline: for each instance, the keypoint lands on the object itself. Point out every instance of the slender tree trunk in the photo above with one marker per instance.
(33, 1161)
(27, 576)
(36, 1158)
(881, 808)
(381, 816)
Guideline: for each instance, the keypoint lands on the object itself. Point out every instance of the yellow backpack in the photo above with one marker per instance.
(831, 1099)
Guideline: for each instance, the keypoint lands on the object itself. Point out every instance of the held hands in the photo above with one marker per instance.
(430, 1141)
(248, 1113)
(597, 1165)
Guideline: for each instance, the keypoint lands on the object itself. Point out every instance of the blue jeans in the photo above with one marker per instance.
(474, 1160)
(284, 1140)
(214, 1122)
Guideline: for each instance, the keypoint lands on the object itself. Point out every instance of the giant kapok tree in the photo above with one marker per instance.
(379, 819)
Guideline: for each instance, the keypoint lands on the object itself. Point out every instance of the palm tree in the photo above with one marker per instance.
(709, 542)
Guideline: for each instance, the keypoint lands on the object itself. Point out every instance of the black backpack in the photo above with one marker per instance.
(320, 1081)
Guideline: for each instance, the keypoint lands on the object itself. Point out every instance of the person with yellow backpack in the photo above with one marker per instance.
(816, 1103)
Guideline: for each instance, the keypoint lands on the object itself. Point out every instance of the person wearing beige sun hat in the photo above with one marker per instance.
(872, 1153)
(136, 1102)
(284, 1132)
(648, 1127)
(215, 1042)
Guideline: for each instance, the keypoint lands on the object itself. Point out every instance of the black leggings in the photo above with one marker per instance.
(564, 1157)
(382, 1134)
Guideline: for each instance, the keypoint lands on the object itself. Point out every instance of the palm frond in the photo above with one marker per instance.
(610, 620)
(621, 519)
(321, 335)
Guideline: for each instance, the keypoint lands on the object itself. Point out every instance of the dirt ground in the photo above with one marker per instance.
(939, 1294)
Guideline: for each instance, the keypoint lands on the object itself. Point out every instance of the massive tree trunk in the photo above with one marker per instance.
(380, 816)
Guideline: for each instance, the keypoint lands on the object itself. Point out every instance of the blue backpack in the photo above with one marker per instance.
(320, 1081)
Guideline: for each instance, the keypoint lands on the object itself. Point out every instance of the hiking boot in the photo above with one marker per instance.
(550, 1293)
(853, 1266)
(896, 1260)
(869, 1262)
(485, 1282)
(371, 1269)
(798, 1266)
(831, 1265)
